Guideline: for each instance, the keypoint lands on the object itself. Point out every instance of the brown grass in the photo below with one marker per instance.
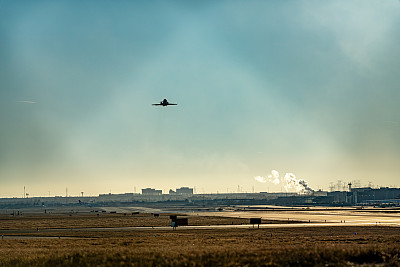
(322, 246)
(88, 220)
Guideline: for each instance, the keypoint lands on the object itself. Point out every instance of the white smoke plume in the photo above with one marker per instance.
(272, 178)
(289, 181)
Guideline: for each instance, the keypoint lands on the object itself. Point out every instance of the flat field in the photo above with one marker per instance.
(102, 240)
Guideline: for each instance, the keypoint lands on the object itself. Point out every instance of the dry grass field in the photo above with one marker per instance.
(306, 246)
(86, 220)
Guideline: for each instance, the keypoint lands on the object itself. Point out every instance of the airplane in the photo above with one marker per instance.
(164, 103)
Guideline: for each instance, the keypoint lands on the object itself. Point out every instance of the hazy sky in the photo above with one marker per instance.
(308, 87)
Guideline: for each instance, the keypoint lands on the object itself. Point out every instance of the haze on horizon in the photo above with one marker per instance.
(303, 87)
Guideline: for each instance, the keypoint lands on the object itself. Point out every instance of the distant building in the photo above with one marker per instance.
(184, 191)
(151, 191)
(320, 193)
(341, 197)
(371, 195)
(181, 191)
(364, 195)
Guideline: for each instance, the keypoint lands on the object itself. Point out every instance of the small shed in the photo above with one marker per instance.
(179, 222)
(254, 221)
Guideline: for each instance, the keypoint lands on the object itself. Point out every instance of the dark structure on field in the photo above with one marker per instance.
(175, 222)
(254, 221)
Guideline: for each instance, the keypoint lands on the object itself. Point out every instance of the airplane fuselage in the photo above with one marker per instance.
(165, 103)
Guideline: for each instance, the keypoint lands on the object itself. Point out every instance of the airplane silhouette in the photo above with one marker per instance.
(164, 103)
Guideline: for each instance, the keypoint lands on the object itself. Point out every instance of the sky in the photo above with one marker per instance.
(303, 87)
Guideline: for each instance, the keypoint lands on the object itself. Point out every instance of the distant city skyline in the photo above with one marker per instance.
(303, 87)
(338, 185)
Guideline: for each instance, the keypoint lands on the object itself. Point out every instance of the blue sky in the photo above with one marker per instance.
(308, 87)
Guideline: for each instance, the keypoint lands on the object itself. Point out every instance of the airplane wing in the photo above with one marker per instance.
(172, 104)
(157, 104)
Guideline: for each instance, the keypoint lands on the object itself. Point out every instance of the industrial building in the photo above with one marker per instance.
(151, 191)
(182, 191)
(364, 196)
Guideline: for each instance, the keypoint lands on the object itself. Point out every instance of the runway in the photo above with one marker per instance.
(320, 217)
